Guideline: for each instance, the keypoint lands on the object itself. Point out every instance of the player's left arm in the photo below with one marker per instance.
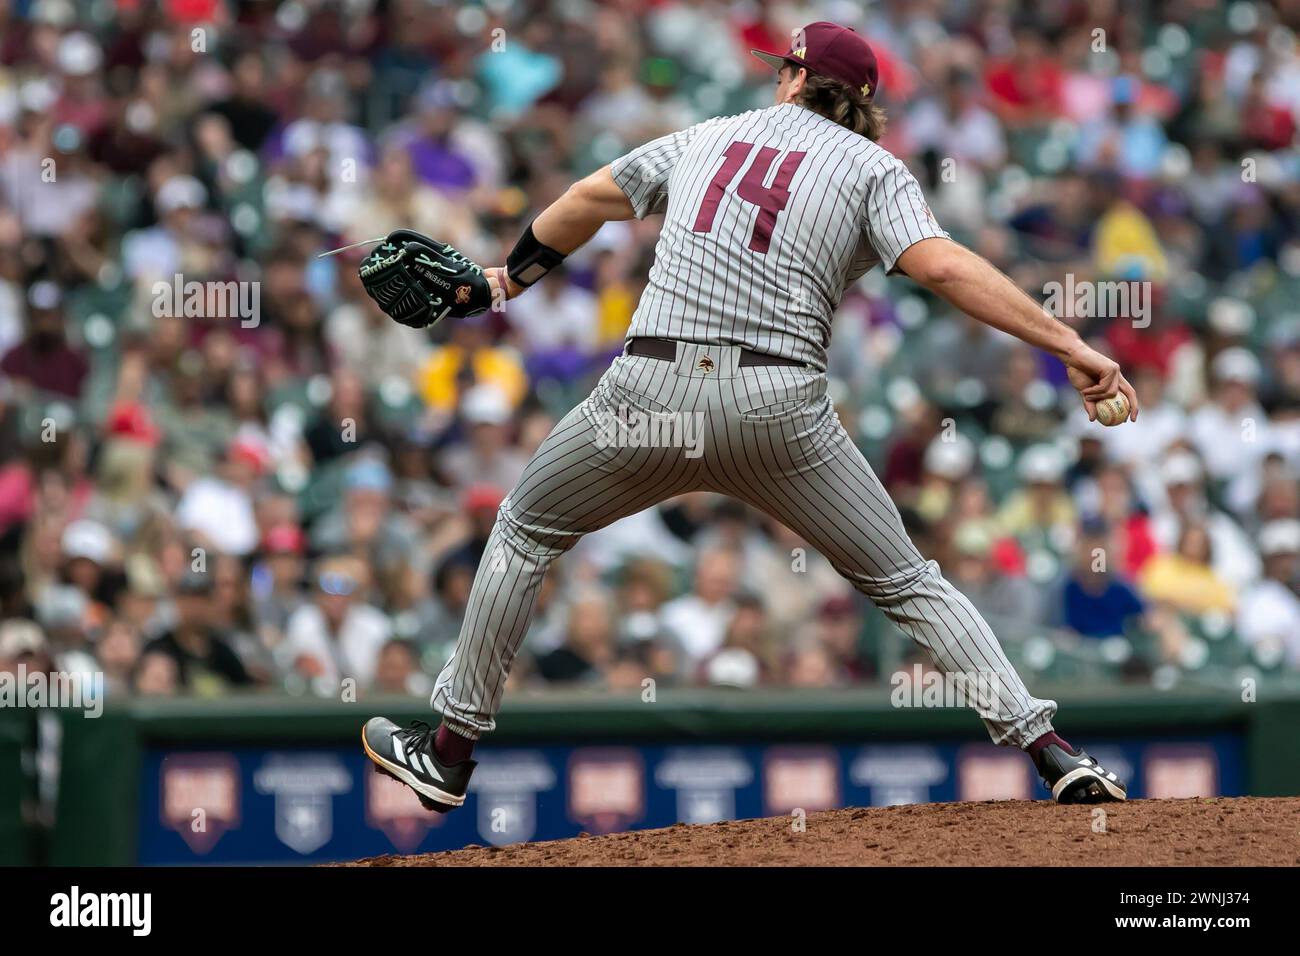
(565, 225)
(418, 280)
(634, 186)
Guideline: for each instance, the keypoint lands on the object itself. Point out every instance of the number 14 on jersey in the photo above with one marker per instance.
(769, 199)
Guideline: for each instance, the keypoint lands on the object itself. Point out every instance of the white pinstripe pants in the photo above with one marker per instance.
(769, 438)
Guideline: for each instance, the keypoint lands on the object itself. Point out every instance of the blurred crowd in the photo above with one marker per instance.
(283, 489)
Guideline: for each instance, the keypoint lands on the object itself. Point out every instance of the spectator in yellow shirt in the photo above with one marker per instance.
(617, 294)
(1185, 580)
(1125, 241)
(468, 360)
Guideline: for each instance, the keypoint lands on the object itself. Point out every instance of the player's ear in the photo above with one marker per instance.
(797, 83)
(790, 80)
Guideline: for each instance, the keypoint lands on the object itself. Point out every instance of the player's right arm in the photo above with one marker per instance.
(979, 289)
(901, 229)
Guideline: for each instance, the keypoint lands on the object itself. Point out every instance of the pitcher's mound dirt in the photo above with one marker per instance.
(1241, 831)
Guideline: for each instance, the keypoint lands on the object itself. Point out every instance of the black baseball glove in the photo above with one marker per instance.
(418, 280)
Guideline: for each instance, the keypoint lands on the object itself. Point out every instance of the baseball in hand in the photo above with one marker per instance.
(1113, 410)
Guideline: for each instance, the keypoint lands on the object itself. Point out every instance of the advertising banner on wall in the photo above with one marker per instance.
(286, 804)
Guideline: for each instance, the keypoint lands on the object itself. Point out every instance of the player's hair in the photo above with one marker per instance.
(843, 104)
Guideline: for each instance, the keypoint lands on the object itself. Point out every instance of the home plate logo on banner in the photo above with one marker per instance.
(806, 778)
(606, 788)
(200, 797)
(984, 773)
(1177, 771)
(898, 775)
(507, 784)
(304, 788)
(395, 810)
(705, 781)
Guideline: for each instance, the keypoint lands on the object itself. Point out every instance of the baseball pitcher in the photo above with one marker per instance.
(768, 216)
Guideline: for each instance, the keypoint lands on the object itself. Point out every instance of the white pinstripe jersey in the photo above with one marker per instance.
(767, 217)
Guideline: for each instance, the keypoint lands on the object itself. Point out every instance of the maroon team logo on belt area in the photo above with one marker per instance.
(705, 364)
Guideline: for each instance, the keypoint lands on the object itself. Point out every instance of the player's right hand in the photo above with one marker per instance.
(418, 280)
(1096, 377)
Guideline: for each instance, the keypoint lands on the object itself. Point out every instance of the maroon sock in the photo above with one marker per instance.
(1048, 738)
(450, 747)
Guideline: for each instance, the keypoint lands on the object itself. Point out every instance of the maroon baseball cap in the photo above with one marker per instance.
(830, 50)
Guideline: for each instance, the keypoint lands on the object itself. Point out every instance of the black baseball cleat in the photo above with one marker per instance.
(408, 757)
(1077, 778)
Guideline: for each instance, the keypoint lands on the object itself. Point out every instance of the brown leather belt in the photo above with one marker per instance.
(666, 349)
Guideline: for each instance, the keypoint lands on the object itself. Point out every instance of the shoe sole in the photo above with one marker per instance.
(431, 797)
(1068, 787)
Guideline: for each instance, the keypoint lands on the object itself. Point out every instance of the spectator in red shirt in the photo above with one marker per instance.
(1025, 89)
(1131, 526)
(1265, 125)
